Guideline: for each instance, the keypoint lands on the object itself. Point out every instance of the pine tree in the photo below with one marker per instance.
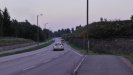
(6, 23)
(1, 24)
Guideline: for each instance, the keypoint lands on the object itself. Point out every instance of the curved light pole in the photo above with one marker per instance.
(45, 25)
(38, 28)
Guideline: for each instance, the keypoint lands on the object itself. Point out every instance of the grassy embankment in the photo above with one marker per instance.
(129, 56)
(13, 41)
(81, 50)
(28, 50)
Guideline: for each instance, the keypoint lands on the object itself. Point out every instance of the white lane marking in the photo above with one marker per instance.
(38, 54)
(77, 53)
(73, 50)
(29, 68)
(75, 70)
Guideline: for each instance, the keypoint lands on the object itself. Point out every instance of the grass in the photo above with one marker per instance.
(129, 56)
(81, 50)
(28, 50)
(13, 41)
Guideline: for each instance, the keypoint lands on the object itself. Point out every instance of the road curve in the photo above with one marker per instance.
(44, 61)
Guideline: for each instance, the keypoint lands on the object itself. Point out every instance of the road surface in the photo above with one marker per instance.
(44, 61)
(104, 65)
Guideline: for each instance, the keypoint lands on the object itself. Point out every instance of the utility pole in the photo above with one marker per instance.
(87, 12)
(38, 29)
(87, 24)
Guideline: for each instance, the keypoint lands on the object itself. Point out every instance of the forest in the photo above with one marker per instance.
(12, 28)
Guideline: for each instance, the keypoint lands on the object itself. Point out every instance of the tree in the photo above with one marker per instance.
(6, 23)
(13, 28)
(78, 27)
(61, 32)
(132, 17)
(105, 20)
(68, 31)
(72, 30)
(101, 19)
(1, 24)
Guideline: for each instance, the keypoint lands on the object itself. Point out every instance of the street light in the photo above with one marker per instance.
(38, 28)
(45, 25)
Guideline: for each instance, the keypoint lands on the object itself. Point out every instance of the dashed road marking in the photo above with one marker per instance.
(75, 70)
(29, 68)
(77, 53)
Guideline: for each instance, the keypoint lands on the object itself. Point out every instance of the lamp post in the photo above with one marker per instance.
(38, 28)
(1, 19)
(87, 24)
(45, 25)
(87, 12)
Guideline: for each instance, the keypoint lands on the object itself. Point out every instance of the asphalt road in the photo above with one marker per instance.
(44, 61)
(105, 65)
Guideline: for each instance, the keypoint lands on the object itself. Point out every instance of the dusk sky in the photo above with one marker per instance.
(66, 13)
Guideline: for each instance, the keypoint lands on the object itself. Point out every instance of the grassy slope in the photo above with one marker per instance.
(81, 50)
(13, 41)
(28, 50)
(128, 56)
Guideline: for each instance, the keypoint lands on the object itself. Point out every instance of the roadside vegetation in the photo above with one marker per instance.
(47, 43)
(13, 41)
(129, 56)
(12, 28)
(108, 31)
(82, 50)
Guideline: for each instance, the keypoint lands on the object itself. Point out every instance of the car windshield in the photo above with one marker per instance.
(57, 44)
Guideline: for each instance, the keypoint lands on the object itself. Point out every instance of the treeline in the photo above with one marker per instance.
(105, 29)
(67, 31)
(13, 28)
(103, 36)
(61, 32)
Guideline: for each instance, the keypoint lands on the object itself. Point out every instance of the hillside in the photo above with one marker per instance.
(13, 41)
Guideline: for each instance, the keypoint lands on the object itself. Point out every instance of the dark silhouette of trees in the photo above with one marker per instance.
(1, 24)
(28, 31)
(104, 29)
(78, 27)
(13, 28)
(101, 19)
(61, 32)
(132, 17)
(72, 30)
(48, 33)
(6, 23)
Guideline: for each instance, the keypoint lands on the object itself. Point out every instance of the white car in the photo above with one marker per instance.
(58, 46)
